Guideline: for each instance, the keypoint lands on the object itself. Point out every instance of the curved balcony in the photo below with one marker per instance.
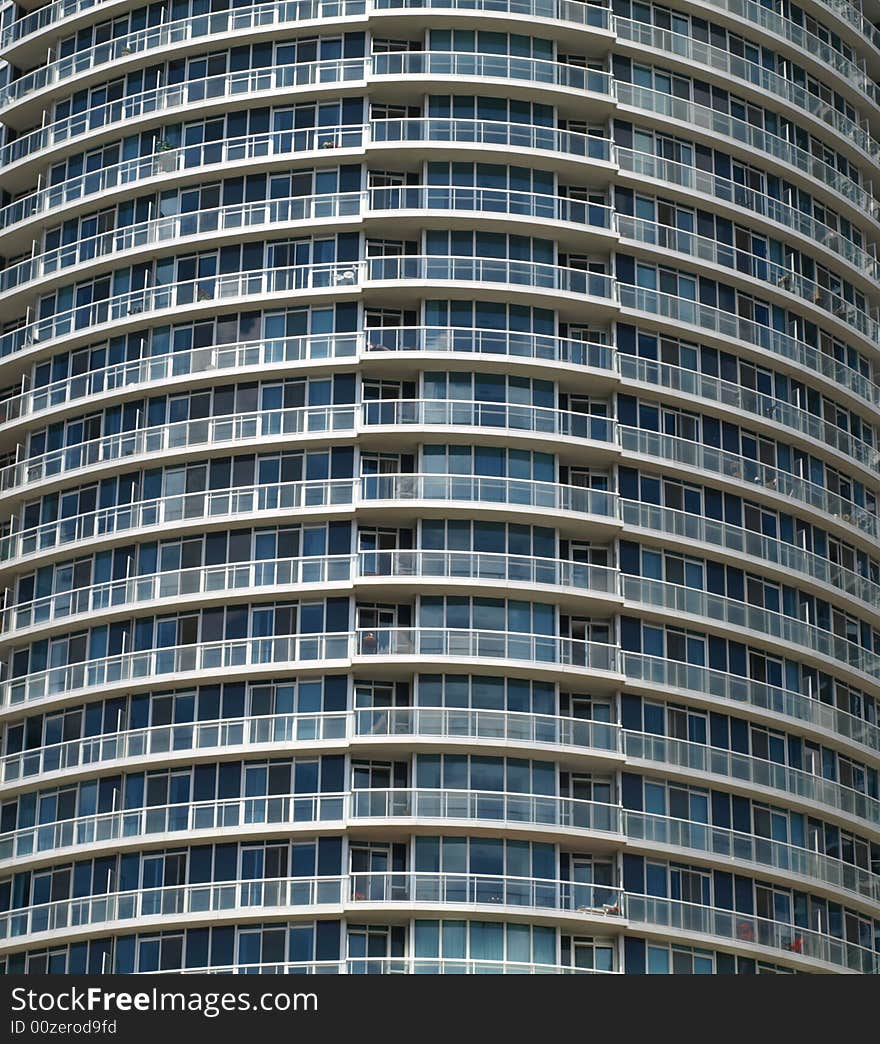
(694, 384)
(576, 578)
(216, 505)
(763, 80)
(489, 810)
(171, 97)
(703, 838)
(168, 161)
(808, 43)
(487, 489)
(277, 426)
(301, 651)
(712, 185)
(232, 220)
(262, 898)
(279, 354)
(361, 728)
(790, 558)
(332, 207)
(236, 816)
(652, 912)
(538, 73)
(720, 124)
(262, 427)
(755, 772)
(704, 683)
(742, 264)
(748, 334)
(761, 622)
(510, 417)
(544, 279)
(749, 472)
(276, 15)
(460, 65)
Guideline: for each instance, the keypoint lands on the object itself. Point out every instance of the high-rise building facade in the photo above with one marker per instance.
(440, 473)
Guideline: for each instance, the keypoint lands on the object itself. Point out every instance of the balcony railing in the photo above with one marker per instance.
(748, 471)
(790, 557)
(301, 649)
(680, 241)
(339, 727)
(677, 599)
(703, 681)
(236, 428)
(711, 921)
(756, 138)
(711, 184)
(764, 80)
(703, 385)
(729, 325)
(315, 569)
(149, 514)
(286, 810)
(750, 848)
(280, 895)
(280, 351)
(717, 761)
(465, 413)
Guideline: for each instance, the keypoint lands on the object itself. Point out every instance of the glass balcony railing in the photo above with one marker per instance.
(763, 79)
(722, 124)
(750, 848)
(366, 724)
(504, 415)
(258, 355)
(596, 16)
(790, 557)
(711, 184)
(279, 895)
(216, 220)
(773, 21)
(727, 324)
(236, 428)
(168, 159)
(715, 761)
(341, 275)
(462, 64)
(178, 507)
(484, 724)
(274, 212)
(237, 654)
(536, 274)
(173, 901)
(287, 810)
(490, 489)
(395, 966)
(694, 918)
(276, 15)
(741, 615)
(705, 386)
(317, 569)
(746, 470)
(680, 241)
(171, 97)
(735, 688)
(318, 494)
(491, 132)
(234, 814)
(495, 806)
(512, 343)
